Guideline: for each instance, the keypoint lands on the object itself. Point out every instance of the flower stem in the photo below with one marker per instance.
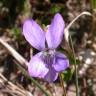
(76, 70)
(34, 81)
(62, 84)
(67, 37)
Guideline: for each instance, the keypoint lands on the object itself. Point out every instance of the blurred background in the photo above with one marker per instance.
(83, 31)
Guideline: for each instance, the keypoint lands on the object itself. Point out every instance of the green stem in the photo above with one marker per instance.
(34, 81)
(62, 84)
(93, 4)
(66, 38)
(76, 70)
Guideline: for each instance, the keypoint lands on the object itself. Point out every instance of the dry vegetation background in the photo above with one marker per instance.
(13, 82)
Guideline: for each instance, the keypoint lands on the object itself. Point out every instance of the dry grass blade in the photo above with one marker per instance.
(9, 87)
(23, 62)
(15, 54)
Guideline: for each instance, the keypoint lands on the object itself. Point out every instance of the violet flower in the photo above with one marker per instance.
(49, 62)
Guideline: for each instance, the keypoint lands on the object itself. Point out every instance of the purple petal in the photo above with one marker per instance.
(54, 33)
(52, 73)
(37, 67)
(34, 34)
(61, 62)
(51, 76)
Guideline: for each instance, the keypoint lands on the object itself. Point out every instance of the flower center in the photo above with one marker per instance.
(48, 52)
(48, 57)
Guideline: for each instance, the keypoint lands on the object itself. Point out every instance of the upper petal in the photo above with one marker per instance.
(55, 31)
(61, 62)
(34, 34)
(37, 67)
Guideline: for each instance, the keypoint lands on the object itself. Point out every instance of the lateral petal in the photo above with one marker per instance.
(61, 62)
(36, 67)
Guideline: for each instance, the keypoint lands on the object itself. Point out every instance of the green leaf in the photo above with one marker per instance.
(16, 33)
(55, 9)
(93, 4)
(67, 75)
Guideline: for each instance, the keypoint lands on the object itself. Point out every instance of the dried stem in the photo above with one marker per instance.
(23, 62)
(83, 13)
(15, 54)
(70, 24)
(12, 87)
